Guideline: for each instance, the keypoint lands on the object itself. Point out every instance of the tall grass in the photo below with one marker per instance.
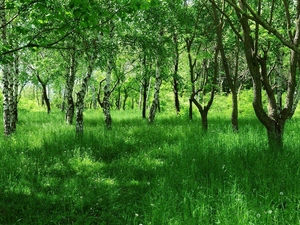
(169, 172)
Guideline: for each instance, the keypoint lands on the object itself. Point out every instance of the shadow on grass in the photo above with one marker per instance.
(137, 174)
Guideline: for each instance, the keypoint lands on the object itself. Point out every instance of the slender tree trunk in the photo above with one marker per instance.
(155, 102)
(141, 96)
(145, 94)
(192, 64)
(5, 75)
(235, 112)
(175, 75)
(70, 108)
(231, 80)
(118, 100)
(204, 110)
(125, 98)
(191, 108)
(46, 99)
(44, 94)
(107, 92)
(15, 93)
(80, 99)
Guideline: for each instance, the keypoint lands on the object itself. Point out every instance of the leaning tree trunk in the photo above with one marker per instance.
(47, 100)
(44, 94)
(80, 100)
(69, 89)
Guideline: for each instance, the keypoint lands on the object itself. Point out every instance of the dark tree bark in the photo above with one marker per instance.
(145, 86)
(274, 120)
(118, 100)
(126, 95)
(44, 94)
(203, 110)
(192, 64)
(175, 75)
(232, 80)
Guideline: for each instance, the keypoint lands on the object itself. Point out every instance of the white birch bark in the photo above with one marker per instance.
(158, 82)
(69, 89)
(5, 74)
(107, 92)
(80, 100)
(15, 93)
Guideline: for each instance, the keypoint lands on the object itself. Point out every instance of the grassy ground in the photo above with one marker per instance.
(166, 173)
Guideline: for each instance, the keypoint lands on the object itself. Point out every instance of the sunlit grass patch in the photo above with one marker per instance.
(170, 172)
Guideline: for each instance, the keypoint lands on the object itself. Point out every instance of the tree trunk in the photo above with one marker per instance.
(69, 88)
(63, 102)
(125, 98)
(191, 108)
(155, 102)
(80, 99)
(5, 75)
(107, 92)
(15, 93)
(192, 64)
(231, 80)
(275, 119)
(47, 101)
(118, 100)
(175, 75)
(235, 112)
(275, 136)
(204, 110)
(145, 85)
(44, 94)
(204, 121)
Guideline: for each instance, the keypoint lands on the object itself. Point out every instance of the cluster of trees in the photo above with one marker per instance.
(121, 47)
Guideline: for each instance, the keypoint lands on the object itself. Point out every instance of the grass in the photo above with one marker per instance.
(169, 172)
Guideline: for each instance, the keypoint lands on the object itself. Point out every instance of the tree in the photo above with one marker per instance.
(258, 21)
(231, 77)
(27, 24)
(90, 60)
(70, 79)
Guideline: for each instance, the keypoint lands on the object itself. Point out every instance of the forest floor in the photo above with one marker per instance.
(169, 172)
